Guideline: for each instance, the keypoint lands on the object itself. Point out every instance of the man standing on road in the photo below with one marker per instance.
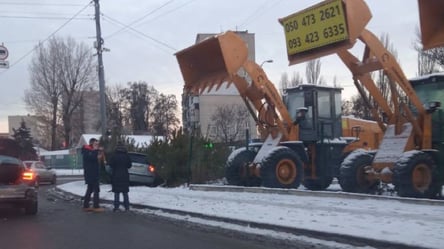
(120, 163)
(91, 157)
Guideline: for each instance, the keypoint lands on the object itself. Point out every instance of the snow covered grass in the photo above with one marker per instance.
(69, 172)
(389, 220)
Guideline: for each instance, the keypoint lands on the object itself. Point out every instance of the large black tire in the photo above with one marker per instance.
(415, 175)
(282, 168)
(236, 171)
(320, 183)
(352, 176)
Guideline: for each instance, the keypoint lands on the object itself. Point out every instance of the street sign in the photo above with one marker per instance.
(3, 52)
(4, 64)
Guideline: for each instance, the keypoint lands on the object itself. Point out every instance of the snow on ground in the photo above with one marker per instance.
(69, 172)
(389, 220)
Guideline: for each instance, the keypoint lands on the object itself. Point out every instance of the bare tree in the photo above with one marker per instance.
(60, 71)
(426, 65)
(230, 122)
(284, 82)
(78, 75)
(429, 61)
(313, 71)
(296, 79)
(139, 100)
(164, 116)
(43, 98)
(116, 108)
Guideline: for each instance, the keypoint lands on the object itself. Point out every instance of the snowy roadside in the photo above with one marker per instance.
(69, 172)
(386, 220)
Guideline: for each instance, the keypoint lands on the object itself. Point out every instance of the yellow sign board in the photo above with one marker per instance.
(315, 27)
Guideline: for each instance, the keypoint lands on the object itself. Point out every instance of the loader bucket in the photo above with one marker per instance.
(212, 61)
(431, 16)
(324, 28)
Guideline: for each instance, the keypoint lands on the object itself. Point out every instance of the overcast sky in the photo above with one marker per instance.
(159, 28)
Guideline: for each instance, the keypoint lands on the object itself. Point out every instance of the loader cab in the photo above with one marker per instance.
(430, 90)
(316, 109)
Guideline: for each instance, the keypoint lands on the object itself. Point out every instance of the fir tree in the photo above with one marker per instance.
(23, 137)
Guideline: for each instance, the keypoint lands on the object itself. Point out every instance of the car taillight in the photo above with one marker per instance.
(28, 175)
(151, 168)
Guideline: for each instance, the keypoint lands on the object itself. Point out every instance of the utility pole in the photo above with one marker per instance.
(99, 44)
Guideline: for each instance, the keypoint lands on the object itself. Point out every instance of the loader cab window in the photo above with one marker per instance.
(324, 104)
(298, 99)
(294, 100)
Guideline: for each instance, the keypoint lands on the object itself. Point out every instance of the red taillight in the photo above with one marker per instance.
(28, 175)
(151, 168)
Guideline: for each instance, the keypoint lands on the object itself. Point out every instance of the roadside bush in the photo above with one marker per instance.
(185, 159)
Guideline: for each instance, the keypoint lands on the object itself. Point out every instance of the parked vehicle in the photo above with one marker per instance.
(141, 171)
(18, 186)
(42, 172)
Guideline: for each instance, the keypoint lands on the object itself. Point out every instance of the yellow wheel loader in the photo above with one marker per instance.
(301, 132)
(410, 155)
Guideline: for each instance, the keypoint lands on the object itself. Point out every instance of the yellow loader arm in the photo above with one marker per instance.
(223, 59)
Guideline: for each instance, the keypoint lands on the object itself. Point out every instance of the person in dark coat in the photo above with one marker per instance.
(120, 163)
(91, 157)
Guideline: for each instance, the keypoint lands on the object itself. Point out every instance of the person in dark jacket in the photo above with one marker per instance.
(91, 157)
(120, 163)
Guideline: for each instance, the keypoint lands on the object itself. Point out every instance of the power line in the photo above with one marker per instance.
(140, 33)
(139, 19)
(166, 13)
(45, 17)
(40, 4)
(260, 10)
(51, 35)
(35, 41)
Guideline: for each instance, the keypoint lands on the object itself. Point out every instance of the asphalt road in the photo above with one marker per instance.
(61, 224)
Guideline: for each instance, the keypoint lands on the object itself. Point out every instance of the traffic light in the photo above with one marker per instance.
(208, 145)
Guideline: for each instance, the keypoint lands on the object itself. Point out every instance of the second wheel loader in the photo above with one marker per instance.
(410, 155)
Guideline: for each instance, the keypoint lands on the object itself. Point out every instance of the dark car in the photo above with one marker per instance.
(141, 171)
(18, 187)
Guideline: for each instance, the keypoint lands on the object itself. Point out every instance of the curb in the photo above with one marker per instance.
(229, 188)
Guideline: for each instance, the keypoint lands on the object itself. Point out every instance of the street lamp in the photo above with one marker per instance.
(267, 61)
